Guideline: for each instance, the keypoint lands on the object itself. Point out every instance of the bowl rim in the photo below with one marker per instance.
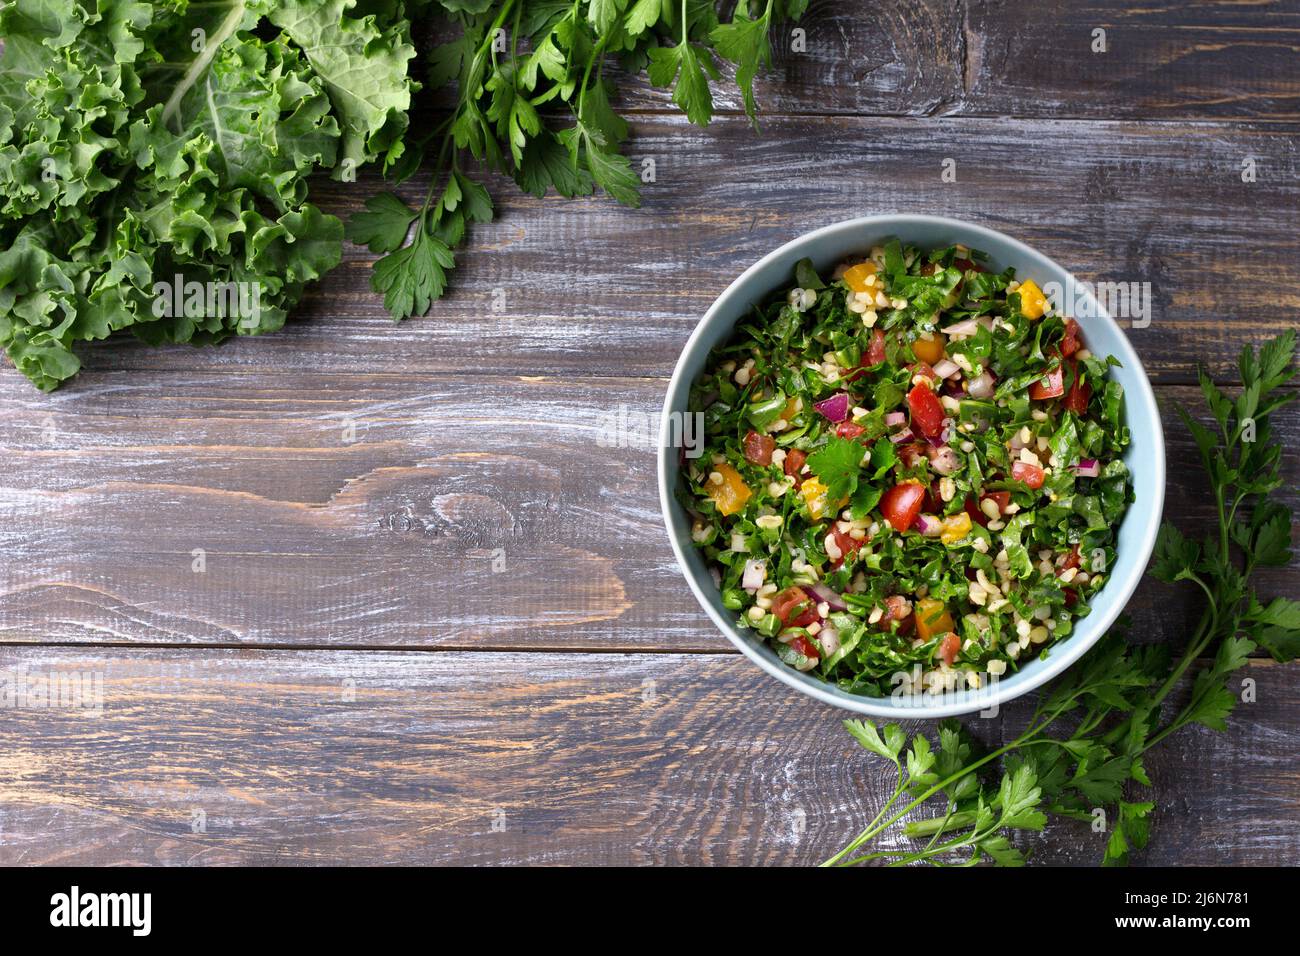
(1139, 406)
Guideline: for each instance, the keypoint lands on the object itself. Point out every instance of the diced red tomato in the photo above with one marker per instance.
(964, 265)
(949, 647)
(805, 647)
(847, 544)
(794, 607)
(933, 501)
(898, 608)
(848, 430)
(759, 448)
(1072, 560)
(1080, 393)
(901, 504)
(912, 454)
(1071, 342)
(1000, 498)
(1071, 596)
(1051, 385)
(925, 371)
(794, 462)
(1031, 475)
(876, 350)
(875, 355)
(976, 514)
(927, 412)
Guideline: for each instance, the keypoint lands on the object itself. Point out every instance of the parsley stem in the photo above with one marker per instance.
(1024, 740)
(586, 73)
(1204, 634)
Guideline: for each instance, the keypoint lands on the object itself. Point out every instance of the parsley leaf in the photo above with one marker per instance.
(410, 278)
(384, 224)
(744, 42)
(691, 67)
(837, 466)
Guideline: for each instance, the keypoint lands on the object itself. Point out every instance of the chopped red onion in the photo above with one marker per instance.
(967, 327)
(981, 386)
(895, 418)
(1088, 468)
(904, 435)
(928, 525)
(828, 640)
(946, 368)
(835, 408)
(944, 460)
(944, 436)
(825, 595)
(755, 575)
(961, 329)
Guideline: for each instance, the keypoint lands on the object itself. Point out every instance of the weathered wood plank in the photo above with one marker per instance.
(1211, 59)
(591, 288)
(330, 757)
(465, 511)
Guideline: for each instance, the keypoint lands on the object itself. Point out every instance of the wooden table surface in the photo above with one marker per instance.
(435, 621)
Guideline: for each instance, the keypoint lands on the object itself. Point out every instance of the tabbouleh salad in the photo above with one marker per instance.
(912, 474)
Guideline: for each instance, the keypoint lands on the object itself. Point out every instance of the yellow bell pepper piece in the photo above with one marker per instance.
(729, 496)
(955, 527)
(932, 618)
(814, 494)
(856, 277)
(1032, 301)
(930, 350)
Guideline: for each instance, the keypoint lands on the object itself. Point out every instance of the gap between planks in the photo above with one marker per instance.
(594, 373)
(1283, 124)
(408, 649)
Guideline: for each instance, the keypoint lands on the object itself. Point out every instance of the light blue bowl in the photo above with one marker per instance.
(1145, 458)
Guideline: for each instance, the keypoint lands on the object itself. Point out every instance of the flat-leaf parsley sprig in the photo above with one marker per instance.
(1082, 751)
(533, 101)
